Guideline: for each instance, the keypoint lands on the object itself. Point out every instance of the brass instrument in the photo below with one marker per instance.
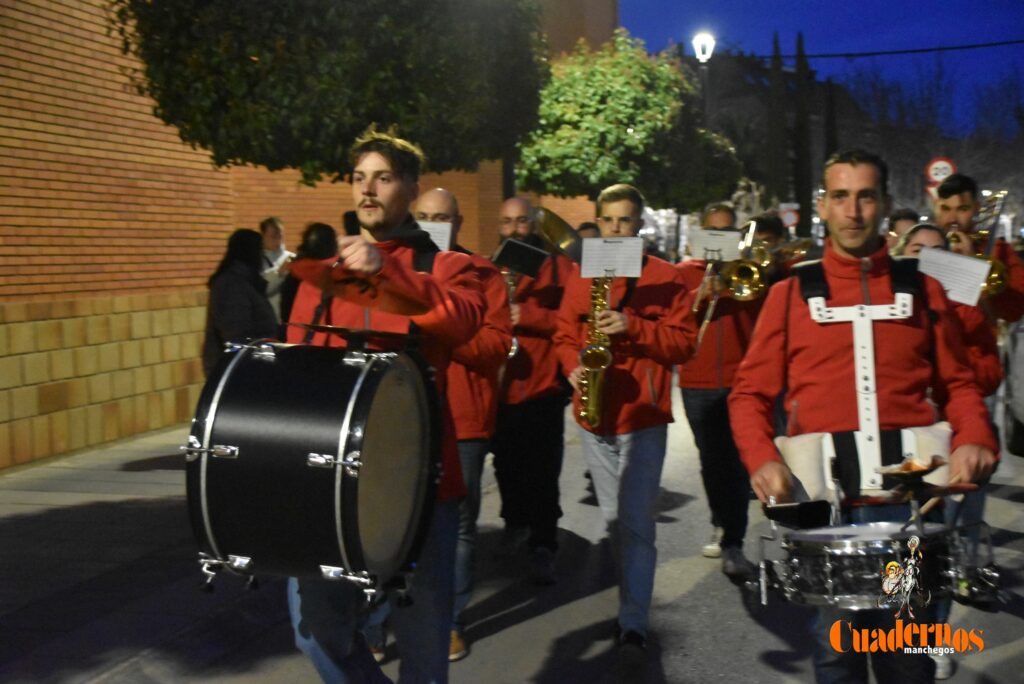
(510, 285)
(987, 225)
(745, 278)
(794, 250)
(596, 357)
(558, 234)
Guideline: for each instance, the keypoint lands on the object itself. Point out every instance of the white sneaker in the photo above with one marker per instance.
(945, 666)
(712, 549)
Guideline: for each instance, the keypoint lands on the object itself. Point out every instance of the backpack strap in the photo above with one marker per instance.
(811, 275)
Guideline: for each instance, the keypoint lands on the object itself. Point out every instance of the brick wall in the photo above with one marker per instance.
(109, 228)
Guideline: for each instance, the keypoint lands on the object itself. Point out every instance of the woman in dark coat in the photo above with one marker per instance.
(238, 309)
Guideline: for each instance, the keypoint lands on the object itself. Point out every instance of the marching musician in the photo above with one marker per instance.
(391, 277)
(473, 396)
(705, 381)
(983, 355)
(650, 328)
(956, 208)
(918, 345)
(529, 435)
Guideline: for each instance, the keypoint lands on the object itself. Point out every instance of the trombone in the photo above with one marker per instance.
(745, 278)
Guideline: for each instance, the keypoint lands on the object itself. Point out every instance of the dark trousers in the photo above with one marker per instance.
(527, 446)
(726, 482)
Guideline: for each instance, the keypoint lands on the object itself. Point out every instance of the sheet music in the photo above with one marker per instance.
(440, 233)
(961, 276)
(715, 245)
(621, 257)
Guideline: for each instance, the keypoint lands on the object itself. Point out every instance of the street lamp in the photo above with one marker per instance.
(703, 45)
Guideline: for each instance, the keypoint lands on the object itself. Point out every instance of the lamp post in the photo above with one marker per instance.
(703, 45)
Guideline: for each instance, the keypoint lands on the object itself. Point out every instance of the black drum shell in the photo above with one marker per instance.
(278, 404)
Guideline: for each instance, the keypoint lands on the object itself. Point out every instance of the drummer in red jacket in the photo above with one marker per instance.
(651, 328)
(914, 348)
(388, 277)
(472, 395)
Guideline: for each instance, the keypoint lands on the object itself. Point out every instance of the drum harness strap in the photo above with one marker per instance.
(868, 439)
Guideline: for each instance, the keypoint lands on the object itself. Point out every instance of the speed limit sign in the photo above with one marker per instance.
(939, 169)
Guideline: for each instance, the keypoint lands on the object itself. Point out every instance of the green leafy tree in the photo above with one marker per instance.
(291, 83)
(618, 115)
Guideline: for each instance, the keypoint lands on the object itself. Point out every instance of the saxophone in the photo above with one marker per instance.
(596, 357)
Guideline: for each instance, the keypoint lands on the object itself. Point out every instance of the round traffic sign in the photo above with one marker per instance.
(939, 169)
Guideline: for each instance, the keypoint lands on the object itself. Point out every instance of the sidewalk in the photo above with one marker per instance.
(99, 583)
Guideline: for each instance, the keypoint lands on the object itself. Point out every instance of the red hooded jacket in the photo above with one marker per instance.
(662, 331)
(726, 339)
(473, 374)
(446, 304)
(533, 372)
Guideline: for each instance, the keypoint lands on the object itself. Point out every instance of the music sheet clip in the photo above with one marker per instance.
(620, 257)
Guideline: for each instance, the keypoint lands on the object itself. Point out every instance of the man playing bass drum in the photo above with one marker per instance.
(376, 285)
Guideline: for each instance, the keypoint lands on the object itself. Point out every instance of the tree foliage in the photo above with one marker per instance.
(618, 115)
(291, 83)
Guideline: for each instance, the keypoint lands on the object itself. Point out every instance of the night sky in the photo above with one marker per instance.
(865, 25)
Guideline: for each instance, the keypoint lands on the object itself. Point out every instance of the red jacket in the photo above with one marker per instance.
(1008, 304)
(981, 346)
(473, 374)
(638, 386)
(533, 372)
(815, 364)
(446, 305)
(726, 339)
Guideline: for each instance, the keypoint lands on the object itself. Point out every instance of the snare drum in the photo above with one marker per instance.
(313, 461)
(844, 566)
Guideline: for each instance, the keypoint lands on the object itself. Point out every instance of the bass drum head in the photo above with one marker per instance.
(395, 478)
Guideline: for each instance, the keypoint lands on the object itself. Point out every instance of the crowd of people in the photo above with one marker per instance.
(753, 373)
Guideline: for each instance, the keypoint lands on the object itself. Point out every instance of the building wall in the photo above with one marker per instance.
(566, 21)
(109, 228)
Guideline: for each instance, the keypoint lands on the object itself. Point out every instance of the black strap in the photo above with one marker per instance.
(846, 466)
(811, 275)
(422, 262)
(325, 302)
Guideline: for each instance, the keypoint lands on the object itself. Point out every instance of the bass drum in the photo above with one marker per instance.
(312, 461)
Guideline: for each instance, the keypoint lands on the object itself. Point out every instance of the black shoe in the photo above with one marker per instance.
(631, 640)
(542, 566)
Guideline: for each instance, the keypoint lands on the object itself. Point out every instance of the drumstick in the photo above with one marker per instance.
(934, 501)
(930, 503)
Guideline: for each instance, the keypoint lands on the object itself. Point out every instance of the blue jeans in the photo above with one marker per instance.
(726, 482)
(833, 667)
(626, 470)
(472, 453)
(326, 614)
